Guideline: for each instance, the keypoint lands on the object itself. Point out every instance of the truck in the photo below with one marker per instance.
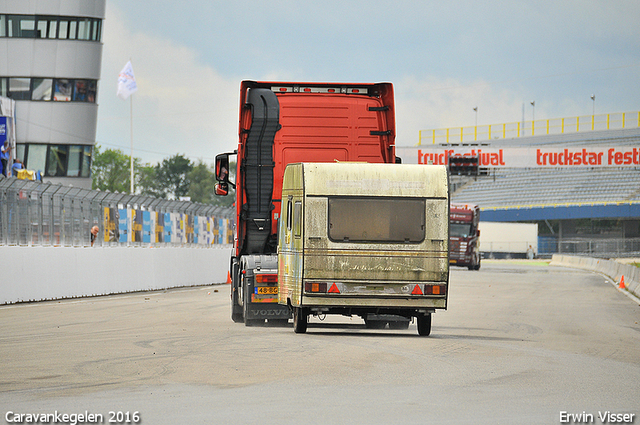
(282, 123)
(508, 240)
(464, 236)
(364, 239)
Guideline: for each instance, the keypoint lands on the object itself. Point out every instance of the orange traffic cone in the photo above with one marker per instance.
(621, 286)
(228, 277)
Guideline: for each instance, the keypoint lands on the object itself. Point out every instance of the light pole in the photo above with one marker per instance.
(593, 112)
(533, 113)
(475, 129)
(533, 117)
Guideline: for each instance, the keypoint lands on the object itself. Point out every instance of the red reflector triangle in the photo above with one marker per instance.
(334, 289)
(417, 291)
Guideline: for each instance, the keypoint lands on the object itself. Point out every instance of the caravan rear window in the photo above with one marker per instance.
(358, 219)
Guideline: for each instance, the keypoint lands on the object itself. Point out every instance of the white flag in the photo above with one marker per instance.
(126, 82)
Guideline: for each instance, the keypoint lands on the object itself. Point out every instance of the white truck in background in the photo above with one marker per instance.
(508, 240)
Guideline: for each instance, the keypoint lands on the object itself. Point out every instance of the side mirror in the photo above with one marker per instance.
(222, 189)
(222, 168)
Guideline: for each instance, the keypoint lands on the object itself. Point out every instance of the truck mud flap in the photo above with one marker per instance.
(275, 312)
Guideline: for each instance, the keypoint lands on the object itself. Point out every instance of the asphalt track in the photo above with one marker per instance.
(521, 343)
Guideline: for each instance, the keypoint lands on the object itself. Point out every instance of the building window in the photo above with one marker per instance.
(4, 87)
(52, 27)
(21, 26)
(64, 29)
(57, 160)
(62, 91)
(35, 157)
(42, 89)
(19, 89)
(92, 89)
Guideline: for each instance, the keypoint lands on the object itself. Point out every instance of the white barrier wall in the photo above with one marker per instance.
(612, 269)
(47, 273)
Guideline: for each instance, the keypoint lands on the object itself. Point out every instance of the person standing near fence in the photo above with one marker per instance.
(5, 154)
(94, 234)
(530, 253)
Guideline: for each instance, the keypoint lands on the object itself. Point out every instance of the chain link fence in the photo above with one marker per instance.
(44, 214)
(592, 247)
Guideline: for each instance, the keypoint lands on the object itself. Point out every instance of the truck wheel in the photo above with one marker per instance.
(424, 324)
(299, 320)
(478, 265)
(236, 308)
(475, 265)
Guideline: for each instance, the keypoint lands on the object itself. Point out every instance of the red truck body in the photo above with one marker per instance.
(464, 236)
(283, 123)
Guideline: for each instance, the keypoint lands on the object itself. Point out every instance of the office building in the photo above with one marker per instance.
(50, 60)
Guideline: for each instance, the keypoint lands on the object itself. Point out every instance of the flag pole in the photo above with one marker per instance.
(126, 87)
(131, 135)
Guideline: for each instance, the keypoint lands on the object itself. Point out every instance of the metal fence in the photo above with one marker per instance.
(512, 130)
(34, 213)
(593, 247)
(549, 245)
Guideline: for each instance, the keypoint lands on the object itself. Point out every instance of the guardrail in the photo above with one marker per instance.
(613, 121)
(43, 214)
(625, 276)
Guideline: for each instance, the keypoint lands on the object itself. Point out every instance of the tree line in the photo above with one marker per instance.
(172, 178)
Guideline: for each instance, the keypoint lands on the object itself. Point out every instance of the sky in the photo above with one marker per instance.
(444, 58)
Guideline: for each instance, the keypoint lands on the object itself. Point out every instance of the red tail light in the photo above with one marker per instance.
(318, 287)
(435, 289)
(266, 278)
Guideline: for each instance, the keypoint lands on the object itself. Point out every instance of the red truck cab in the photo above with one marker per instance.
(464, 236)
(282, 123)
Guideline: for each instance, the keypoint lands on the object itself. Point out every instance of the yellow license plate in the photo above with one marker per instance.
(267, 290)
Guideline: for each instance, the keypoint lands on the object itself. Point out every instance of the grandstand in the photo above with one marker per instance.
(508, 188)
(580, 209)
(526, 188)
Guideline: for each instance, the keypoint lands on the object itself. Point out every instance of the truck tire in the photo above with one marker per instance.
(300, 317)
(424, 324)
